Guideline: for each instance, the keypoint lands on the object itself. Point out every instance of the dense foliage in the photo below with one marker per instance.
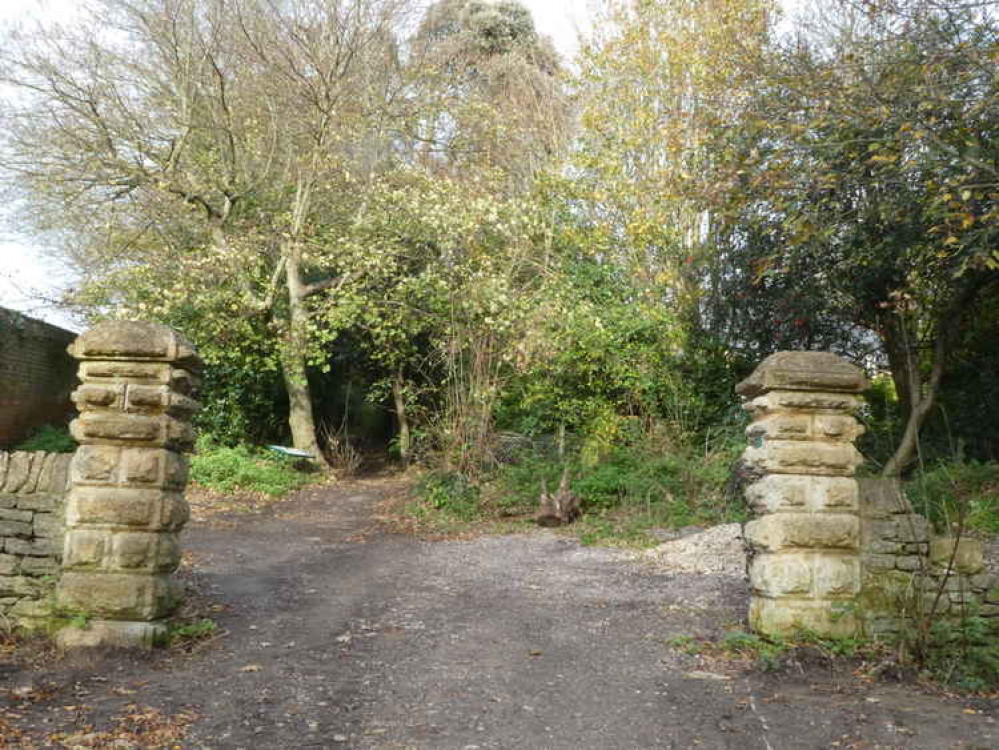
(242, 469)
(423, 234)
(48, 439)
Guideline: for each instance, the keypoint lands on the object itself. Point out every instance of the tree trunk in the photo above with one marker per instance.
(300, 417)
(399, 396)
(921, 404)
(898, 363)
(922, 398)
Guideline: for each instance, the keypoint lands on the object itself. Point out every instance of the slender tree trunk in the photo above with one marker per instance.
(898, 362)
(293, 361)
(399, 396)
(922, 398)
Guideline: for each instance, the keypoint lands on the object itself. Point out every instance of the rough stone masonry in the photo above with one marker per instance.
(32, 494)
(828, 553)
(909, 573)
(805, 564)
(126, 504)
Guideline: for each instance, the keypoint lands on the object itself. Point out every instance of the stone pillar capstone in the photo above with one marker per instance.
(805, 567)
(126, 503)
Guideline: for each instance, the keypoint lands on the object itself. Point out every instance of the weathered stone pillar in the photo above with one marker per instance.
(805, 560)
(126, 504)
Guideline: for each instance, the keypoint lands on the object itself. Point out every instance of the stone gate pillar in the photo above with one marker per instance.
(126, 504)
(804, 565)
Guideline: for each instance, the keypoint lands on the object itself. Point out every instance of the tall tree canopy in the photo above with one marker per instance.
(862, 212)
(491, 90)
(503, 244)
(203, 158)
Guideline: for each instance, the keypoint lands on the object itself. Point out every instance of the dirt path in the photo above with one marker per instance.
(339, 635)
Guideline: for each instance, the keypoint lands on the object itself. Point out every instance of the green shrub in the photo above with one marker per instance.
(226, 469)
(516, 487)
(638, 484)
(953, 492)
(242, 402)
(192, 631)
(882, 422)
(672, 489)
(50, 439)
(631, 490)
(963, 653)
(450, 493)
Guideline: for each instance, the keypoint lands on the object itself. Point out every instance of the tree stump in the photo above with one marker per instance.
(559, 509)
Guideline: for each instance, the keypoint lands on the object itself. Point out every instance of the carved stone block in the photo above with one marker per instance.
(126, 504)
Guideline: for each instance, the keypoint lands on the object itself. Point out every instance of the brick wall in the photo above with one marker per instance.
(36, 376)
(33, 490)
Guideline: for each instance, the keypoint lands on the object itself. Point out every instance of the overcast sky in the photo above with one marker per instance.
(29, 277)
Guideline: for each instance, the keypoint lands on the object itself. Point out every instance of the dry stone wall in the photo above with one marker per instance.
(909, 572)
(33, 488)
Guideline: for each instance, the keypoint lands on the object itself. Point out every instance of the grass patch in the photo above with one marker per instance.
(773, 654)
(629, 492)
(620, 529)
(954, 491)
(765, 653)
(956, 654)
(49, 439)
(245, 469)
(186, 634)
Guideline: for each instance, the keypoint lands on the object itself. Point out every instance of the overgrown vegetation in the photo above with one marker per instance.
(961, 653)
(629, 490)
(244, 469)
(961, 494)
(49, 439)
(497, 266)
(481, 242)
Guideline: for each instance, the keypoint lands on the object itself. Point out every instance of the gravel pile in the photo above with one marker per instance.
(715, 551)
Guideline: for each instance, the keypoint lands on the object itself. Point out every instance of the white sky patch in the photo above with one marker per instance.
(31, 283)
(563, 21)
(16, 11)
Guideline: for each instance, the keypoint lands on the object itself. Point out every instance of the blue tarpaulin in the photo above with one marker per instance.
(290, 451)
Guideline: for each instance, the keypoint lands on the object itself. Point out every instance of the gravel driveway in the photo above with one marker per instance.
(340, 635)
